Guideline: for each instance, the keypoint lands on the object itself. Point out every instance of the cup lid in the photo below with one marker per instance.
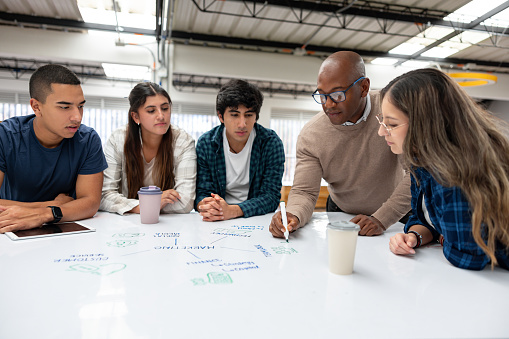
(150, 190)
(344, 225)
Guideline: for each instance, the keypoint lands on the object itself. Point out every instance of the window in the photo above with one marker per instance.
(107, 114)
(287, 124)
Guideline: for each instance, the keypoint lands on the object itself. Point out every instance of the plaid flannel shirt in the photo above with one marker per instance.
(265, 170)
(450, 214)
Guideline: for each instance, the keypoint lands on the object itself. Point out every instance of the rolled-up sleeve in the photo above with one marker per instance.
(112, 199)
(185, 174)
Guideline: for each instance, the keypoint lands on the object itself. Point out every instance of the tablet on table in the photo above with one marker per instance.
(50, 230)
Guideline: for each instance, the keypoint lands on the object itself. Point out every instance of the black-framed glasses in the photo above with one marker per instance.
(337, 97)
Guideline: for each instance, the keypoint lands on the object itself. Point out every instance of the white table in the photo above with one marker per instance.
(185, 278)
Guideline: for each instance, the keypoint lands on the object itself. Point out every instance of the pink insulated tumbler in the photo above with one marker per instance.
(150, 204)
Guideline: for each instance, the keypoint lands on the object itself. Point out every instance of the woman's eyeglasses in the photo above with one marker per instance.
(380, 119)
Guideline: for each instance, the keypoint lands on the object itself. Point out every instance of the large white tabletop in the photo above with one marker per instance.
(185, 278)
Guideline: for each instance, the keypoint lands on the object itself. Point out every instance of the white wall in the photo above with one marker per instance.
(500, 109)
(83, 48)
(58, 46)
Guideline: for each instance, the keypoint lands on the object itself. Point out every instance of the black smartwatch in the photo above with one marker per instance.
(57, 214)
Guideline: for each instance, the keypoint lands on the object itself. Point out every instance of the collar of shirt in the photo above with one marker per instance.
(364, 116)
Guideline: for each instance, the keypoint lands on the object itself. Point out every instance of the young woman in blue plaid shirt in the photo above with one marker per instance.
(459, 160)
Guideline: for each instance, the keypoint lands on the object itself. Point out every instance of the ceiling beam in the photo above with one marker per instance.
(372, 9)
(362, 8)
(451, 35)
(67, 23)
(207, 38)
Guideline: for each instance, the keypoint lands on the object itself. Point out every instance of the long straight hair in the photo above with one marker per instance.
(460, 144)
(163, 174)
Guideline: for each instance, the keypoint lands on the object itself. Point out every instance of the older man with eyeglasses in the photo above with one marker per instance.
(341, 145)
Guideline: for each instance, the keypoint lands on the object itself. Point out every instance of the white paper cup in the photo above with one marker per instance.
(342, 240)
(150, 204)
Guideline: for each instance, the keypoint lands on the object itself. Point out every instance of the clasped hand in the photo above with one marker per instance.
(215, 208)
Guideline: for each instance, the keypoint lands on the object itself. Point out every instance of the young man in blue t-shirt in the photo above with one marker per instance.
(50, 165)
(240, 163)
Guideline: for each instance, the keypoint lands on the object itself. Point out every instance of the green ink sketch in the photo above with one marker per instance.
(198, 281)
(122, 243)
(219, 278)
(101, 270)
(284, 250)
(128, 235)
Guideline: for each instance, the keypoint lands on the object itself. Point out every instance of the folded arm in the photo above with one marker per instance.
(88, 197)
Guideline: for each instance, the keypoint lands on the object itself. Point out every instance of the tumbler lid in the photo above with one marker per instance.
(150, 190)
(344, 225)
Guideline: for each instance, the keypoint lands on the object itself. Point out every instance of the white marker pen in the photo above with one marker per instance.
(285, 220)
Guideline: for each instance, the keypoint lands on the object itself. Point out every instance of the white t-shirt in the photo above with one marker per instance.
(426, 213)
(237, 170)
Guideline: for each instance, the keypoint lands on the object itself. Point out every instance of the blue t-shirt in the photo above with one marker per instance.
(33, 172)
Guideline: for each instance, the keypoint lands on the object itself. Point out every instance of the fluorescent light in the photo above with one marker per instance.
(126, 71)
(384, 61)
(406, 49)
(435, 32)
(470, 37)
(473, 10)
(415, 64)
(138, 14)
(440, 52)
(499, 20)
(467, 13)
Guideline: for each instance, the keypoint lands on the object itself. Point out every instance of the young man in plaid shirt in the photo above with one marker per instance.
(240, 163)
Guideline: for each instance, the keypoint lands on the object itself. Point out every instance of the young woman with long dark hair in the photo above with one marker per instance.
(149, 151)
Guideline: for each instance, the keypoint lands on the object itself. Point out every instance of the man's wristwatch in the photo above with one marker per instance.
(57, 214)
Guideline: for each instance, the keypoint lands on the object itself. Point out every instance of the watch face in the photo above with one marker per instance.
(57, 213)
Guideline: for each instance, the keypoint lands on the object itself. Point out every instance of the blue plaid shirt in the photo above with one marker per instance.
(265, 171)
(450, 214)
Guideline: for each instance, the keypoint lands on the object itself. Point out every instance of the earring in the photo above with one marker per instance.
(138, 123)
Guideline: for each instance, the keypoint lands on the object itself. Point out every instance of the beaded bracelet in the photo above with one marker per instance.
(419, 238)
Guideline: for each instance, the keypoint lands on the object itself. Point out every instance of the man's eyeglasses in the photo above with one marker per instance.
(336, 97)
(380, 119)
